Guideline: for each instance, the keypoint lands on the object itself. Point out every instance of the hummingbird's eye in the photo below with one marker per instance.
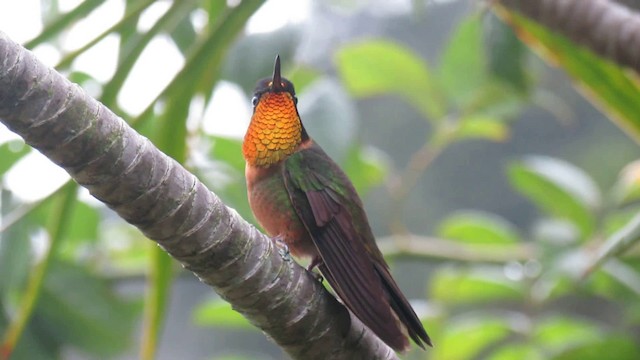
(254, 101)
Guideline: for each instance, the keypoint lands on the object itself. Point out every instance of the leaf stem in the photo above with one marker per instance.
(426, 247)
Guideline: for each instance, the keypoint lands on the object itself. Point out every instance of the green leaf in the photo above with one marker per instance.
(85, 220)
(63, 21)
(559, 333)
(183, 34)
(204, 67)
(366, 168)
(11, 152)
(156, 300)
(463, 68)
(376, 67)
(617, 281)
(15, 255)
(136, 44)
(34, 345)
(219, 313)
(517, 352)
(78, 308)
(481, 127)
(611, 88)
(478, 228)
(227, 150)
(495, 100)
(126, 22)
(616, 220)
(453, 287)
(557, 188)
(58, 223)
(225, 173)
(130, 253)
(81, 78)
(465, 338)
(619, 347)
(506, 55)
(477, 84)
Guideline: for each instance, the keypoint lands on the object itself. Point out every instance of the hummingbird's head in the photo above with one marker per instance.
(275, 85)
(275, 129)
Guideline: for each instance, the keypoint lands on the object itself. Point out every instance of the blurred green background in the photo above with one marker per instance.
(505, 202)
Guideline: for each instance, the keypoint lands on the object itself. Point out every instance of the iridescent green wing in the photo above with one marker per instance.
(324, 200)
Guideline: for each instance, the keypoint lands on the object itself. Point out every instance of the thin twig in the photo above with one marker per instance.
(425, 247)
(401, 186)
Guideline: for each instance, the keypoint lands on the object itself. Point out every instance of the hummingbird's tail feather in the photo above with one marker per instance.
(402, 308)
(387, 333)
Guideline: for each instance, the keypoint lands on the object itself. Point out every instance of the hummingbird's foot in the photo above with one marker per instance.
(318, 277)
(283, 248)
(314, 263)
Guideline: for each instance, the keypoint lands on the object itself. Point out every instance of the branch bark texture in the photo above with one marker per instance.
(609, 29)
(170, 206)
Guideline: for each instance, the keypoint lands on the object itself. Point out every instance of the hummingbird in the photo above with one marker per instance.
(301, 197)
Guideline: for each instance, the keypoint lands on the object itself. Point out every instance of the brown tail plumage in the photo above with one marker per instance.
(408, 322)
(402, 308)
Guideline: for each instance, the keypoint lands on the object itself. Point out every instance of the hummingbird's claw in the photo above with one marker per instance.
(283, 248)
(314, 263)
(318, 277)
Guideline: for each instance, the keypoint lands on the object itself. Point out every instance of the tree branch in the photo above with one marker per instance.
(170, 206)
(607, 28)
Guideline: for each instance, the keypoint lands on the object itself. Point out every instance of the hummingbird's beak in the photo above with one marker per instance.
(276, 82)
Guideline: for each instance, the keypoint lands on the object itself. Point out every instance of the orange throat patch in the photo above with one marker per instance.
(275, 130)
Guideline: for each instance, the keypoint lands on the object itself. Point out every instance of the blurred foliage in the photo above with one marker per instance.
(375, 67)
(558, 188)
(573, 296)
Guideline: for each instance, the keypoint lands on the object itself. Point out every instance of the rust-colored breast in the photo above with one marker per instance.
(271, 205)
